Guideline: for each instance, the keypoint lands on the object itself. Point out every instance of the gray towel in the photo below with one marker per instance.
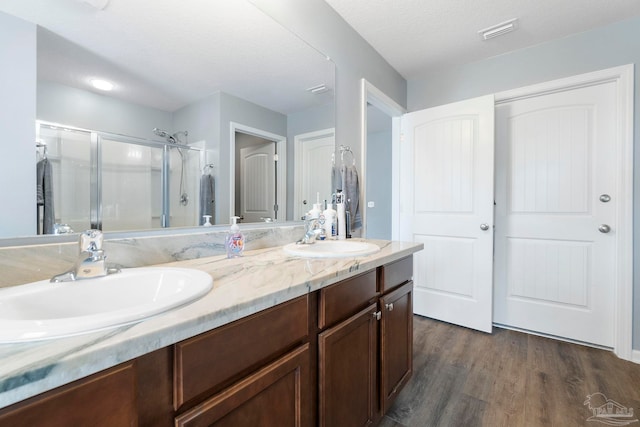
(351, 189)
(336, 179)
(207, 197)
(44, 195)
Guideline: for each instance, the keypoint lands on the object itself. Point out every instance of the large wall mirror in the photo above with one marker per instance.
(208, 102)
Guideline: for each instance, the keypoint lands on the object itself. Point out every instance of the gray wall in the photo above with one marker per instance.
(609, 46)
(17, 118)
(80, 108)
(210, 120)
(317, 23)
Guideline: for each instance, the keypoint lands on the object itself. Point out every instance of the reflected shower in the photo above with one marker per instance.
(175, 139)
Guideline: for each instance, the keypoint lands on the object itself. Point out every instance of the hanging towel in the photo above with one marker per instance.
(44, 195)
(351, 189)
(336, 179)
(207, 197)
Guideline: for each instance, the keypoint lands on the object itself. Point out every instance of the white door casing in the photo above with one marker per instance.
(257, 184)
(446, 202)
(561, 145)
(313, 152)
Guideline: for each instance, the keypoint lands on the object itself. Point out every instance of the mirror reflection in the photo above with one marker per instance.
(165, 148)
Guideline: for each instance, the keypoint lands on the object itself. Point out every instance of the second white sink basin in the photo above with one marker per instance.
(43, 310)
(332, 249)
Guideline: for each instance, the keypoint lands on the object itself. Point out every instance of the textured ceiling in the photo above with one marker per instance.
(168, 53)
(417, 36)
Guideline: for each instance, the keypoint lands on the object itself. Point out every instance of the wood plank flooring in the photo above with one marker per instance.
(465, 378)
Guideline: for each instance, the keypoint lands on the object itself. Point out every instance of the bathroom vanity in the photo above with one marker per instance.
(280, 340)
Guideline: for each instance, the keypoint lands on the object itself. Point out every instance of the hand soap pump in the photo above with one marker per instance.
(234, 242)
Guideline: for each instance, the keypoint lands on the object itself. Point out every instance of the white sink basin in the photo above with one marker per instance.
(332, 249)
(43, 310)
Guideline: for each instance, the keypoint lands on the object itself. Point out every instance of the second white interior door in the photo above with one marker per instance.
(555, 197)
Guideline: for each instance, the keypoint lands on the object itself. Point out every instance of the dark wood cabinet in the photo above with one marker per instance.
(347, 371)
(276, 395)
(335, 357)
(366, 359)
(396, 342)
(106, 399)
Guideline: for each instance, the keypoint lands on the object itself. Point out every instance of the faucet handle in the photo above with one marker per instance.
(91, 240)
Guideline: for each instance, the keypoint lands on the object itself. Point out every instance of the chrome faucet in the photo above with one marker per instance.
(90, 262)
(312, 231)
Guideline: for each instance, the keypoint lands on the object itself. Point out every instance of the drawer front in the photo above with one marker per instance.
(396, 273)
(102, 400)
(345, 298)
(217, 358)
(277, 395)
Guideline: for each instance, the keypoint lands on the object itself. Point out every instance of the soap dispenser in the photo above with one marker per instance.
(234, 242)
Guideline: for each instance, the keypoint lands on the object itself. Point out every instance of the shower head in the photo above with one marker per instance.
(164, 134)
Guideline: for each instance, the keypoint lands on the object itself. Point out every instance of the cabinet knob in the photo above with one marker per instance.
(377, 315)
(389, 306)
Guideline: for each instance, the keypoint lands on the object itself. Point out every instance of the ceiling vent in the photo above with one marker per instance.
(499, 29)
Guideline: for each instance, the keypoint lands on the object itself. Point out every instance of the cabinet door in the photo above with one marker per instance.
(396, 342)
(277, 395)
(347, 371)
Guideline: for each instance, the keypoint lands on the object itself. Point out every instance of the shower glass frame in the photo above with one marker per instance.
(97, 140)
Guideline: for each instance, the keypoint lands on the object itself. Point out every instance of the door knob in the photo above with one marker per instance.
(604, 198)
(484, 227)
(304, 202)
(604, 228)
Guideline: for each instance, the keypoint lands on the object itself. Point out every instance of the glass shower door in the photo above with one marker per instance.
(131, 185)
(69, 153)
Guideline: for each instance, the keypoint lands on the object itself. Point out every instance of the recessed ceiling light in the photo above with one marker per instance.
(498, 29)
(102, 84)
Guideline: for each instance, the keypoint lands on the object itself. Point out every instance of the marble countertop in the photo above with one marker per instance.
(241, 286)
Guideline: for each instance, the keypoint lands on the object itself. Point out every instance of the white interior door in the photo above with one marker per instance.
(257, 182)
(556, 186)
(313, 169)
(446, 202)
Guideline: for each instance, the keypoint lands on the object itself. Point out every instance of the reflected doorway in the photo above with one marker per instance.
(258, 174)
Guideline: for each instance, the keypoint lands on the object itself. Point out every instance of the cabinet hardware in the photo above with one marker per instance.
(377, 315)
(389, 306)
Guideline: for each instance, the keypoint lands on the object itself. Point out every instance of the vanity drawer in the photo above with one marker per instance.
(395, 274)
(341, 300)
(211, 361)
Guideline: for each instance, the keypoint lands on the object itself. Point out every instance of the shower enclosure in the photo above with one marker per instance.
(116, 183)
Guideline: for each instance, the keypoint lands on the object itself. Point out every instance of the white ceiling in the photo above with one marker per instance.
(169, 53)
(418, 36)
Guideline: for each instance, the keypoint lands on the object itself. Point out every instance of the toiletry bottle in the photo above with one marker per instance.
(341, 215)
(330, 229)
(234, 242)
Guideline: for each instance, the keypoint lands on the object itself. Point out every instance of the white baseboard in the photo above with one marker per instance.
(635, 356)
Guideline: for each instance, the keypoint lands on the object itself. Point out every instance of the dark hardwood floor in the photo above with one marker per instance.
(465, 378)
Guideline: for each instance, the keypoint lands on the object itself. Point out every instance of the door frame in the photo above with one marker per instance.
(298, 140)
(623, 77)
(281, 160)
(369, 94)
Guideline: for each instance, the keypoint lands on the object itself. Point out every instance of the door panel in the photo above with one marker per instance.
(446, 202)
(554, 268)
(257, 183)
(313, 170)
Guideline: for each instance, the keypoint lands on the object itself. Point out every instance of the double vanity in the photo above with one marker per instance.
(280, 339)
